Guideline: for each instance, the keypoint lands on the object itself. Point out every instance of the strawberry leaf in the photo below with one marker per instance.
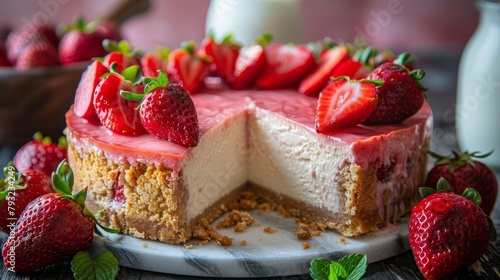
(444, 186)
(493, 230)
(60, 184)
(130, 73)
(105, 266)
(425, 191)
(472, 195)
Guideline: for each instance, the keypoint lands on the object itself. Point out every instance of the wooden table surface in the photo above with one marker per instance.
(441, 71)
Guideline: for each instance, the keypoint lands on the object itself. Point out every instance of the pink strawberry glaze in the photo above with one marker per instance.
(214, 106)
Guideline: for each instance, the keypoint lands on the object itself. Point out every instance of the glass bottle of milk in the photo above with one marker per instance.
(248, 19)
(478, 88)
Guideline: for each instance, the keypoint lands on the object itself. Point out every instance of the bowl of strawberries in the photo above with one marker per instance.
(40, 68)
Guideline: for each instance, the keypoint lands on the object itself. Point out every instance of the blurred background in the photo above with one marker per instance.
(423, 25)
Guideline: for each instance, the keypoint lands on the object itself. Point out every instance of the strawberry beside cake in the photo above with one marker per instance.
(157, 174)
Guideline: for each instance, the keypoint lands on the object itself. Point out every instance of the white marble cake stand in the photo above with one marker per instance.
(265, 255)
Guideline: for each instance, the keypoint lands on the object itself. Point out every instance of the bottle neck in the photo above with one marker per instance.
(489, 12)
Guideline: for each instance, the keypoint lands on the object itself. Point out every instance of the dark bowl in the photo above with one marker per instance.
(36, 100)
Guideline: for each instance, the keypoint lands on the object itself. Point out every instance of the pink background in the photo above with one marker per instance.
(421, 25)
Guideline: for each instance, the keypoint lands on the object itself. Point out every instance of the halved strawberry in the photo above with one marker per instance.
(249, 64)
(188, 68)
(119, 53)
(116, 113)
(286, 65)
(152, 61)
(358, 66)
(345, 103)
(328, 60)
(223, 54)
(84, 97)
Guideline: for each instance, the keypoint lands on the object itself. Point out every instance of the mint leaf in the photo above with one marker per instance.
(355, 265)
(337, 272)
(104, 267)
(320, 269)
(351, 267)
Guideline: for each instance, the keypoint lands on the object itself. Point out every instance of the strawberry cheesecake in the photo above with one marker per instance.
(353, 179)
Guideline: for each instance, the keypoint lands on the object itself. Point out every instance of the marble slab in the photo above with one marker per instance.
(265, 255)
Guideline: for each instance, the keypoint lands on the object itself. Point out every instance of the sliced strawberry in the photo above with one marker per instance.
(286, 65)
(328, 60)
(83, 106)
(119, 53)
(188, 68)
(223, 54)
(352, 69)
(116, 113)
(250, 62)
(153, 61)
(345, 103)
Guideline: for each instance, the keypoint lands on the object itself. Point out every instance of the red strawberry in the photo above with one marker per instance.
(17, 191)
(345, 103)
(38, 54)
(249, 64)
(187, 68)
(223, 54)
(80, 44)
(328, 60)
(83, 106)
(448, 231)
(30, 33)
(463, 172)
(286, 65)
(167, 111)
(41, 154)
(401, 95)
(108, 29)
(153, 61)
(119, 53)
(116, 113)
(358, 66)
(52, 228)
(4, 61)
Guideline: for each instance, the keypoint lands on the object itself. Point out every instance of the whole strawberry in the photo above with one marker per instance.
(167, 111)
(41, 154)
(52, 228)
(17, 190)
(463, 171)
(448, 231)
(81, 43)
(401, 95)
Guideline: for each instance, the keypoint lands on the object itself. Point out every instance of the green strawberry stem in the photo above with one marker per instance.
(63, 181)
(113, 46)
(376, 83)
(13, 179)
(150, 83)
(458, 159)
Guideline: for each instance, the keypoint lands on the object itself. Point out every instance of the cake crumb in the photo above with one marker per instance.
(144, 245)
(243, 242)
(303, 232)
(190, 246)
(204, 231)
(269, 230)
(240, 227)
(343, 240)
(236, 217)
(306, 245)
